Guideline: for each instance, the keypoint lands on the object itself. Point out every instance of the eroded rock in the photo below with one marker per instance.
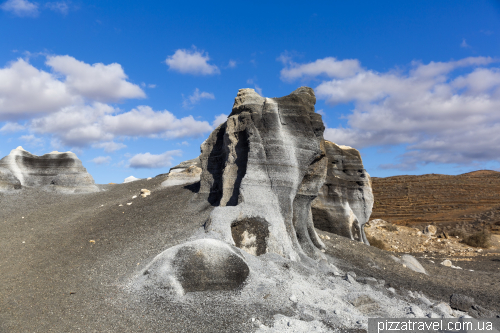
(345, 201)
(200, 265)
(55, 171)
(267, 163)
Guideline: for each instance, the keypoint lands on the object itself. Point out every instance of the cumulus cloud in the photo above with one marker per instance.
(220, 119)
(98, 124)
(32, 140)
(191, 62)
(20, 8)
(151, 161)
(109, 146)
(26, 91)
(11, 127)
(196, 97)
(231, 64)
(330, 67)
(102, 160)
(440, 116)
(99, 82)
(464, 44)
(61, 7)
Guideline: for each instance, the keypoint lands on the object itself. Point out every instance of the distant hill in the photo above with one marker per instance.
(470, 200)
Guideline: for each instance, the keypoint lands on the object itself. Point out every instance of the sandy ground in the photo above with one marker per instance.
(65, 258)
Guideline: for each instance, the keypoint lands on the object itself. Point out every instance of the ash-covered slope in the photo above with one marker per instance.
(53, 171)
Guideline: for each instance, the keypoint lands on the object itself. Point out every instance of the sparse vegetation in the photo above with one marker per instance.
(479, 239)
(458, 232)
(390, 227)
(377, 243)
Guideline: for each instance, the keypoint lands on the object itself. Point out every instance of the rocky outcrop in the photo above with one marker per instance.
(345, 201)
(55, 171)
(187, 172)
(262, 168)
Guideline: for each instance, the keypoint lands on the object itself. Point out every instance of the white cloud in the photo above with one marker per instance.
(220, 119)
(151, 86)
(61, 7)
(144, 121)
(99, 82)
(196, 97)
(109, 146)
(20, 7)
(98, 124)
(32, 140)
(464, 44)
(331, 67)
(231, 64)
(258, 89)
(11, 127)
(151, 161)
(191, 62)
(102, 160)
(439, 116)
(26, 91)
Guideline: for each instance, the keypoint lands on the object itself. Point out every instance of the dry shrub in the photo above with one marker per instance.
(478, 239)
(390, 227)
(460, 232)
(375, 242)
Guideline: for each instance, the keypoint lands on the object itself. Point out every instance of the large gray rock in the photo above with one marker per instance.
(344, 203)
(262, 169)
(57, 171)
(200, 265)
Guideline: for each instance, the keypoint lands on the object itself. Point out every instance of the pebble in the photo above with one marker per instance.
(293, 298)
(446, 263)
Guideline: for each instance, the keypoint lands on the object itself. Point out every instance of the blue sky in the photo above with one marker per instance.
(134, 87)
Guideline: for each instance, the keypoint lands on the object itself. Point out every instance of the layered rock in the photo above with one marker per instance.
(345, 201)
(55, 170)
(262, 168)
(187, 172)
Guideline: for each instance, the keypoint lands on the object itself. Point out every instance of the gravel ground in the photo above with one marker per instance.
(65, 258)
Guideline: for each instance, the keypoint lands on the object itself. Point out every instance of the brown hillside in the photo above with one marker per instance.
(470, 200)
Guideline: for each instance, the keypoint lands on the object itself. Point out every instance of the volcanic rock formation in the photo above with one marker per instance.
(55, 171)
(345, 201)
(262, 169)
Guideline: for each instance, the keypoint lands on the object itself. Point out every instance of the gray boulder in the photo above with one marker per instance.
(344, 203)
(461, 302)
(200, 265)
(55, 170)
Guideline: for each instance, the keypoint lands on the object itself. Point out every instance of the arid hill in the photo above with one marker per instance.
(470, 201)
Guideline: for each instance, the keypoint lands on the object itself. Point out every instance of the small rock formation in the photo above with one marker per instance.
(130, 179)
(345, 201)
(145, 192)
(55, 170)
(430, 230)
(184, 173)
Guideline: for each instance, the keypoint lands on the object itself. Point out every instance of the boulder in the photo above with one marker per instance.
(461, 302)
(345, 200)
(55, 170)
(200, 265)
(430, 230)
(182, 175)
